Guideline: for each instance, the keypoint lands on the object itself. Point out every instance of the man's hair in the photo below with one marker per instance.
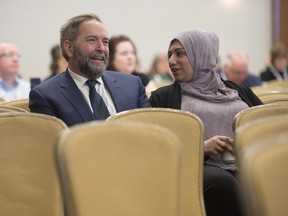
(70, 30)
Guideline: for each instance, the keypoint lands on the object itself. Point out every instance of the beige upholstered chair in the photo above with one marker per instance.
(259, 112)
(29, 179)
(244, 140)
(282, 84)
(119, 168)
(21, 103)
(263, 166)
(274, 97)
(5, 108)
(259, 90)
(189, 129)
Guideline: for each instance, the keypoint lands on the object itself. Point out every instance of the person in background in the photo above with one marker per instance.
(198, 89)
(12, 86)
(58, 62)
(277, 70)
(85, 91)
(160, 71)
(123, 58)
(236, 69)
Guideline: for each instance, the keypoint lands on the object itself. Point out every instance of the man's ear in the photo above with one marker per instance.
(68, 47)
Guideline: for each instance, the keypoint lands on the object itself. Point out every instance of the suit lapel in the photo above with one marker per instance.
(114, 90)
(70, 90)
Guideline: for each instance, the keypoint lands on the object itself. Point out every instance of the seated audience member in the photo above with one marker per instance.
(123, 58)
(85, 91)
(236, 70)
(277, 70)
(160, 71)
(12, 86)
(58, 62)
(198, 89)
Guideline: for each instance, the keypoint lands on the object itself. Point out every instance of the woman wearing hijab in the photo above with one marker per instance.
(198, 89)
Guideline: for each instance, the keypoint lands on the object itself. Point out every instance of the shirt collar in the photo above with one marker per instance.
(15, 84)
(80, 80)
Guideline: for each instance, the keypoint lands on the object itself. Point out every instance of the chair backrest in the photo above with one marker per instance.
(6, 108)
(20, 103)
(282, 84)
(245, 140)
(119, 168)
(263, 166)
(189, 129)
(274, 97)
(29, 177)
(258, 112)
(259, 90)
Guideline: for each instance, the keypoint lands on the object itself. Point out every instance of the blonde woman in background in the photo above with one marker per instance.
(160, 70)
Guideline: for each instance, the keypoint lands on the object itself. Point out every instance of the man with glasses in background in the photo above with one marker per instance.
(236, 70)
(12, 87)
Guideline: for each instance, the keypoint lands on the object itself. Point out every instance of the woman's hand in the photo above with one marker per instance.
(217, 144)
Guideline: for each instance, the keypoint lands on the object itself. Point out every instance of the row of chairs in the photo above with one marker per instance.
(138, 168)
(262, 155)
(273, 92)
(105, 164)
(261, 141)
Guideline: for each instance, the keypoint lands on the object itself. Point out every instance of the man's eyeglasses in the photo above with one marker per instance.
(10, 55)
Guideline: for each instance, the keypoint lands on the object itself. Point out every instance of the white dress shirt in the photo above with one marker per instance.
(100, 88)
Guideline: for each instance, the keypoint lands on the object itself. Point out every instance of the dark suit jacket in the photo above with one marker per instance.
(267, 75)
(170, 96)
(59, 96)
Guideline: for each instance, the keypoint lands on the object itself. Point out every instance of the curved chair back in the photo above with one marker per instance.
(119, 168)
(189, 129)
(282, 84)
(274, 97)
(20, 103)
(6, 108)
(262, 166)
(29, 177)
(259, 90)
(259, 112)
(244, 140)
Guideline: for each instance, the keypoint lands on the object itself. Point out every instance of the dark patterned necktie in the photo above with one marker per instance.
(98, 105)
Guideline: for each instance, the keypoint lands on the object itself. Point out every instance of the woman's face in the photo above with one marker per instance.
(162, 65)
(179, 62)
(125, 57)
(281, 63)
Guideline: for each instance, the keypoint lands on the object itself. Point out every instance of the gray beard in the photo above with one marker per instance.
(83, 64)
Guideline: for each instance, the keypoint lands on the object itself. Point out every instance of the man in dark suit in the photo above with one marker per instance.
(84, 43)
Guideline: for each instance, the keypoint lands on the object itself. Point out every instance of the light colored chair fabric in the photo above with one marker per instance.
(5, 108)
(263, 166)
(189, 129)
(20, 103)
(245, 139)
(259, 112)
(29, 180)
(119, 168)
(274, 97)
(259, 90)
(282, 84)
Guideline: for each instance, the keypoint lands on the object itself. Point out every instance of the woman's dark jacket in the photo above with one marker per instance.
(170, 96)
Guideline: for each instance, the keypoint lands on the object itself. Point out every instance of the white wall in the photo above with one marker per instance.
(34, 25)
